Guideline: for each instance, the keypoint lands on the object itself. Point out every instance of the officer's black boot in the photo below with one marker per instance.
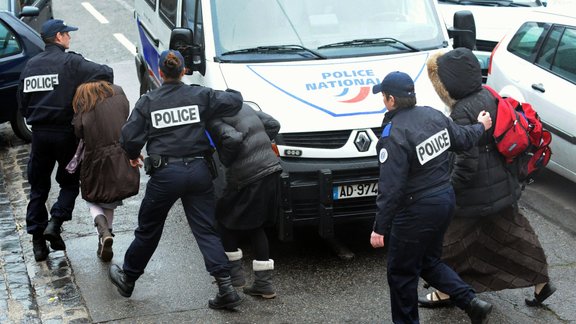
(121, 281)
(478, 311)
(52, 234)
(236, 271)
(262, 285)
(227, 297)
(39, 246)
(105, 239)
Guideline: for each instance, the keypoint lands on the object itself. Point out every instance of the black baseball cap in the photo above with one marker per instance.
(398, 84)
(53, 26)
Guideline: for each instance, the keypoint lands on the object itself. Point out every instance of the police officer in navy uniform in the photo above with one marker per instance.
(47, 87)
(171, 121)
(416, 200)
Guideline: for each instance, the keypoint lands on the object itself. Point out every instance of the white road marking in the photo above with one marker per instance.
(127, 43)
(125, 5)
(95, 13)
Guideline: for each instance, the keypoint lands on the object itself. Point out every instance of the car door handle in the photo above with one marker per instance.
(538, 87)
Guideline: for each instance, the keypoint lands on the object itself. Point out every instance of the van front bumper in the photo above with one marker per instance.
(307, 194)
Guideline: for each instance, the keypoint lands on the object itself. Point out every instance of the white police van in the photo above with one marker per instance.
(311, 65)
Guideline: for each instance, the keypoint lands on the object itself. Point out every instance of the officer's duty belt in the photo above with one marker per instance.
(414, 197)
(184, 159)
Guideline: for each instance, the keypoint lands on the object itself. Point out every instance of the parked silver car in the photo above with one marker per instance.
(536, 63)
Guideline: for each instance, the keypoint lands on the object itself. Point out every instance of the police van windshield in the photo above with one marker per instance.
(276, 30)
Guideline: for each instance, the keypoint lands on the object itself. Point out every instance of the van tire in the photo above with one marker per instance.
(20, 127)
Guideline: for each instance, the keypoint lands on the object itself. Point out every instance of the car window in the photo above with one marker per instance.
(168, 12)
(565, 61)
(558, 53)
(525, 40)
(9, 45)
(548, 51)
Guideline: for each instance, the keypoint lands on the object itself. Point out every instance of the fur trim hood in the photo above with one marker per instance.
(455, 75)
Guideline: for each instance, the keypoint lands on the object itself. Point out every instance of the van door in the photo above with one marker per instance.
(155, 21)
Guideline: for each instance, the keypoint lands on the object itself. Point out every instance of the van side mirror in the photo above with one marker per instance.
(464, 30)
(182, 40)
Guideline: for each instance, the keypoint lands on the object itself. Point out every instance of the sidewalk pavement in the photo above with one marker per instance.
(30, 291)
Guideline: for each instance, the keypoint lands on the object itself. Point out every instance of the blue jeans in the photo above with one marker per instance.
(192, 183)
(415, 250)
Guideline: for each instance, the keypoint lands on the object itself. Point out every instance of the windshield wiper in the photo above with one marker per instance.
(386, 41)
(275, 49)
(496, 3)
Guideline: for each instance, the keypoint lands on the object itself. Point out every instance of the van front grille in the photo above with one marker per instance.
(324, 140)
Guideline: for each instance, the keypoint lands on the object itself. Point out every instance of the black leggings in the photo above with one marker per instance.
(231, 239)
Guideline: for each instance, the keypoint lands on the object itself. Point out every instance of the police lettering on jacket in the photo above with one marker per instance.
(175, 116)
(40, 83)
(433, 146)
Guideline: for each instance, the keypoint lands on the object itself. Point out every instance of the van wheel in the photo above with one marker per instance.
(20, 127)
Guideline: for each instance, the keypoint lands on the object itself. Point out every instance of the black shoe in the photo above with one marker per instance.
(39, 247)
(119, 279)
(478, 311)
(52, 234)
(227, 297)
(546, 292)
(434, 301)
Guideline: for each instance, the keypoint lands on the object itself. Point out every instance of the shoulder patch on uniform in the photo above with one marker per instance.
(383, 155)
(386, 130)
(175, 116)
(433, 146)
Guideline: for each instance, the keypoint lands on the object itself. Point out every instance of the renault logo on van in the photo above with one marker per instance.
(362, 141)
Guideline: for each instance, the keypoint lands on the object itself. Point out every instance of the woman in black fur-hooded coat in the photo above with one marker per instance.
(489, 243)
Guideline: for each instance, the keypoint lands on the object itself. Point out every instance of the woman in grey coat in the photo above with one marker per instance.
(251, 198)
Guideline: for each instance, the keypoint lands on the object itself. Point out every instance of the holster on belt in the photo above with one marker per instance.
(151, 162)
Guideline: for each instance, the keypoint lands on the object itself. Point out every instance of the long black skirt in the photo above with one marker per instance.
(497, 252)
(253, 206)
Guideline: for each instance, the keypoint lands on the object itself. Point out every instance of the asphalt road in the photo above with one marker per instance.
(314, 286)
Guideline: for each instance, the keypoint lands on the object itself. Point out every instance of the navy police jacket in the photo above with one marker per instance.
(413, 157)
(48, 84)
(171, 120)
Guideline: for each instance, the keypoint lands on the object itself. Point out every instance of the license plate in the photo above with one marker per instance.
(355, 191)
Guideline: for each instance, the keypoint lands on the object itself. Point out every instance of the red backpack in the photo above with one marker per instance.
(520, 137)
